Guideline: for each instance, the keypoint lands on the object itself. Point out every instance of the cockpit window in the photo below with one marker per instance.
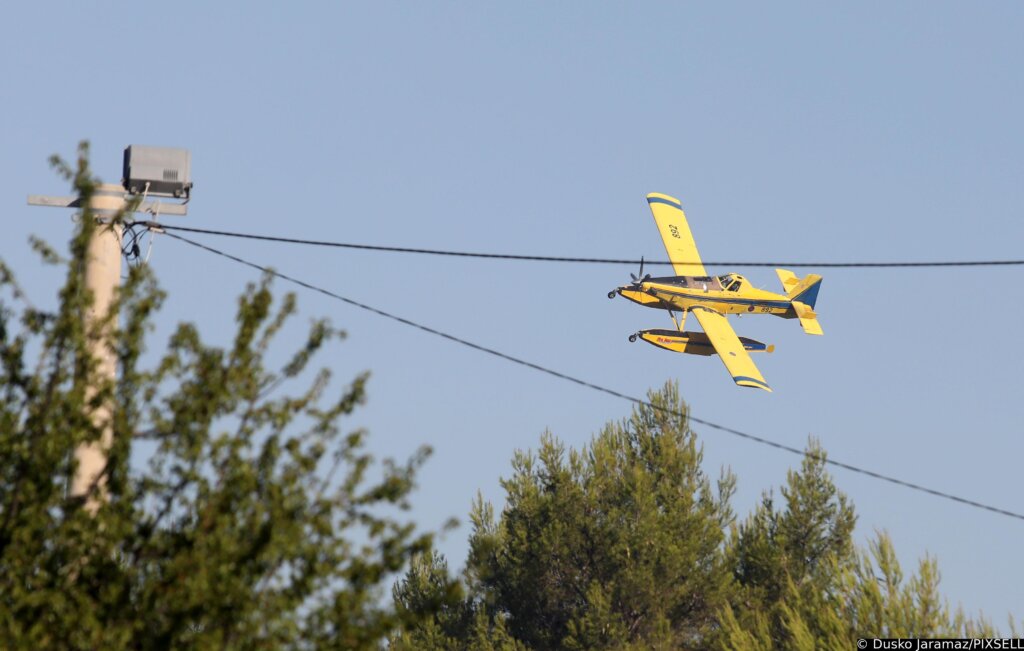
(730, 283)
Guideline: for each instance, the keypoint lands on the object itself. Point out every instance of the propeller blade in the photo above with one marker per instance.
(640, 278)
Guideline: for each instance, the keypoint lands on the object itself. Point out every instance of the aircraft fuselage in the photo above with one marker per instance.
(683, 293)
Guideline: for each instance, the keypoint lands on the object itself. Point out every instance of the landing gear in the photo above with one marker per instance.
(632, 338)
(611, 294)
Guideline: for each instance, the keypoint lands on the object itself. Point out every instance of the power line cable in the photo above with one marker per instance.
(580, 260)
(597, 387)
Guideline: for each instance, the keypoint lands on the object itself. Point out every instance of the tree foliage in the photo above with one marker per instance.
(780, 558)
(254, 522)
(614, 543)
(626, 544)
(802, 584)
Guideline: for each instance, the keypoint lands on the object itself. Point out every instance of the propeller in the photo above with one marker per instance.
(641, 278)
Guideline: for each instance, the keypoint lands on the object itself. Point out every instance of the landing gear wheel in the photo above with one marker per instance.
(632, 338)
(611, 294)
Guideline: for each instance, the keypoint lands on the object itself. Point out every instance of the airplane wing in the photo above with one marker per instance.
(737, 361)
(675, 232)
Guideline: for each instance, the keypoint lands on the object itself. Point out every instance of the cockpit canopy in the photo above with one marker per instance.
(731, 282)
(726, 283)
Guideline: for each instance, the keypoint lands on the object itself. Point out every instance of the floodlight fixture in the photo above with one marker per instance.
(157, 171)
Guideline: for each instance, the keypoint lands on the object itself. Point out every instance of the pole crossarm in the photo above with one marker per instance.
(160, 207)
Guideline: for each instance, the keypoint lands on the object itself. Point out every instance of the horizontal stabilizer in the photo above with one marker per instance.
(808, 318)
(788, 279)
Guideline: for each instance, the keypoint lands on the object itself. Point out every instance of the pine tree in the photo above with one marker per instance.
(786, 563)
(800, 583)
(617, 544)
(622, 545)
(878, 602)
(432, 605)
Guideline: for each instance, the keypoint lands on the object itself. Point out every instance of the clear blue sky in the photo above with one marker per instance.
(795, 131)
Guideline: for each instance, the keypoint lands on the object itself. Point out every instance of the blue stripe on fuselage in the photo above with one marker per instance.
(737, 301)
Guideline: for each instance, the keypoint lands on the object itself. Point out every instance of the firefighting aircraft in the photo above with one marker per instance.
(711, 298)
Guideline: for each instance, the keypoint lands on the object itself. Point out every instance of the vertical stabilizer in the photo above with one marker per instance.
(805, 291)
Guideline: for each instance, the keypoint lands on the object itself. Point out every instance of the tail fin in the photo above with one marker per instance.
(803, 294)
(805, 291)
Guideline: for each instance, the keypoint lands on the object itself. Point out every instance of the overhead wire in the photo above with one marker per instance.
(130, 237)
(586, 260)
(596, 387)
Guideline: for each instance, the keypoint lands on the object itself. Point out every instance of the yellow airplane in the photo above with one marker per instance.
(711, 298)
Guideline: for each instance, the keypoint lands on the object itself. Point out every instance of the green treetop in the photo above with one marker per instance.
(252, 524)
(626, 544)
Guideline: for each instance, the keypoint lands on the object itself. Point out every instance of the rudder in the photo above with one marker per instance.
(806, 291)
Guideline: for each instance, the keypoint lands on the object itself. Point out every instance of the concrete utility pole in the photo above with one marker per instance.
(153, 171)
(102, 279)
